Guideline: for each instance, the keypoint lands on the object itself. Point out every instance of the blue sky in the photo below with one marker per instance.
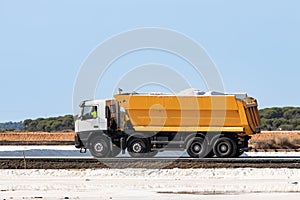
(254, 44)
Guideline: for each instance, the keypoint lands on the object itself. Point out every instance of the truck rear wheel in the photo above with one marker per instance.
(138, 147)
(225, 147)
(197, 148)
(99, 147)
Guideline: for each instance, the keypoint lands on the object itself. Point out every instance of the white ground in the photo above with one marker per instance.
(146, 184)
(204, 184)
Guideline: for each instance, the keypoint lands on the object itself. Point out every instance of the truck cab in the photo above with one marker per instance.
(91, 116)
(97, 121)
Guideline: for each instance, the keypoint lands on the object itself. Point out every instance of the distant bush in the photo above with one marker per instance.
(52, 124)
(11, 126)
(286, 118)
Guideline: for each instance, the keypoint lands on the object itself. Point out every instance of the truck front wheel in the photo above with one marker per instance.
(99, 147)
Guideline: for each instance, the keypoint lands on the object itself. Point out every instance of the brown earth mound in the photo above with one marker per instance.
(276, 140)
(37, 136)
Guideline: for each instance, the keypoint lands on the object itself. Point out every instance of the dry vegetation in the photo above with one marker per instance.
(276, 140)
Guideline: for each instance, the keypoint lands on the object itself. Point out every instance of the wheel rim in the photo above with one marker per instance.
(99, 147)
(223, 148)
(196, 147)
(137, 148)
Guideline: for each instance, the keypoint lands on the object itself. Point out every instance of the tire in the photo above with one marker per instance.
(197, 148)
(99, 147)
(225, 148)
(138, 147)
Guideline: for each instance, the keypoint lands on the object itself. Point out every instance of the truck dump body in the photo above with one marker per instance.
(201, 113)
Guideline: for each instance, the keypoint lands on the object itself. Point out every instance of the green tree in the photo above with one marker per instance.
(286, 118)
(32, 126)
(292, 113)
(26, 123)
(51, 124)
(56, 126)
(287, 127)
(270, 113)
(277, 122)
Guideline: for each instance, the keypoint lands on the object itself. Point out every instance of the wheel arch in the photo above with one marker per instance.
(230, 135)
(137, 135)
(188, 139)
(94, 134)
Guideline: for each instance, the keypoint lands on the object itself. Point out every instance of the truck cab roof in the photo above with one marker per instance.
(91, 102)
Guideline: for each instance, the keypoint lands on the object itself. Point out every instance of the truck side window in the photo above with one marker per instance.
(89, 112)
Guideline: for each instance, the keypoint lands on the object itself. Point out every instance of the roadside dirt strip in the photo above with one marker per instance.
(36, 143)
(151, 163)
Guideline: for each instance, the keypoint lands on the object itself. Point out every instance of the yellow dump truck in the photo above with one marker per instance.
(204, 125)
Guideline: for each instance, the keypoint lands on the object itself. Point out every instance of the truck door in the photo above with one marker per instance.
(90, 119)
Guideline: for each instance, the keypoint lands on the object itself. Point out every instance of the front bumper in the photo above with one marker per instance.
(78, 142)
(81, 139)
